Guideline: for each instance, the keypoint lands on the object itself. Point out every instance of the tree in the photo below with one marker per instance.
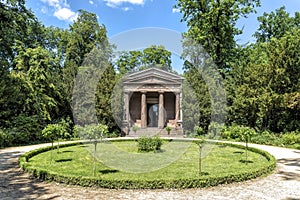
(94, 132)
(129, 61)
(104, 96)
(85, 35)
(263, 83)
(245, 136)
(157, 56)
(52, 132)
(196, 102)
(153, 56)
(200, 144)
(212, 24)
(34, 69)
(18, 25)
(276, 24)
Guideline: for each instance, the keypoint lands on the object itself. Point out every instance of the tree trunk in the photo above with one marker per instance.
(51, 156)
(246, 152)
(95, 149)
(58, 145)
(200, 159)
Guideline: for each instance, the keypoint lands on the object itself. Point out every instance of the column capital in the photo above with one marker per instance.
(143, 91)
(161, 91)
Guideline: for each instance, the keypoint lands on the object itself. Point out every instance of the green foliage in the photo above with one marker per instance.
(265, 91)
(93, 132)
(212, 24)
(135, 128)
(104, 94)
(5, 141)
(276, 24)
(147, 144)
(153, 56)
(168, 129)
(291, 138)
(54, 131)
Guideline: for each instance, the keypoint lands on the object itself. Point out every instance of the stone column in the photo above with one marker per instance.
(161, 117)
(177, 108)
(126, 104)
(143, 111)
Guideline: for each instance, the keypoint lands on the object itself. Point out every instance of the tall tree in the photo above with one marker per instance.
(156, 56)
(276, 24)
(267, 85)
(85, 35)
(212, 24)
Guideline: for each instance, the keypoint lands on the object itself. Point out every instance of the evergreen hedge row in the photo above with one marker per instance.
(197, 182)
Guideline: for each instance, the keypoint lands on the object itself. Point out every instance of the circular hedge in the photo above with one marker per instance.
(140, 183)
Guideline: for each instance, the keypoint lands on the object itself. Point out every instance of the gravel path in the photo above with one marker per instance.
(283, 184)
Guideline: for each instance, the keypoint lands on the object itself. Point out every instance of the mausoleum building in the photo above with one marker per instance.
(152, 98)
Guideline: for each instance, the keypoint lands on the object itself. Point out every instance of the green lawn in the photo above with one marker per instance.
(121, 161)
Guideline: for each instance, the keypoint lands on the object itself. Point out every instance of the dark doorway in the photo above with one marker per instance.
(152, 118)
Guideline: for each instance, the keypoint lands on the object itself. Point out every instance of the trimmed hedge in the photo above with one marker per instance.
(199, 182)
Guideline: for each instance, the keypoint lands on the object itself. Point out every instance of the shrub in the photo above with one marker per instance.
(198, 130)
(291, 138)
(168, 129)
(266, 137)
(5, 140)
(135, 128)
(147, 144)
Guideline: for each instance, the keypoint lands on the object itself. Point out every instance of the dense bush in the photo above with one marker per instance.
(5, 140)
(233, 132)
(146, 144)
(266, 137)
(291, 138)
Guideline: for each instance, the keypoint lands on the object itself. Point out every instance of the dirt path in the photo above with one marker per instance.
(283, 184)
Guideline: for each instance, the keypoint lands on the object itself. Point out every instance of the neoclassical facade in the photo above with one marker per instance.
(152, 98)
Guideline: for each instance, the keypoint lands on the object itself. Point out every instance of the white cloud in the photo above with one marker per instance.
(62, 10)
(175, 10)
(91, 2)
(65, 14)
(116, 3)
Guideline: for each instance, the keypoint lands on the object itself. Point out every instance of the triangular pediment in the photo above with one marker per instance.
(153, 76)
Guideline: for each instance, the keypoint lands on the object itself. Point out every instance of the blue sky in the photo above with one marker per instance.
(123, 15)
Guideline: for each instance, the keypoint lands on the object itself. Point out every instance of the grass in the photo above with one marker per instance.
(120, 160)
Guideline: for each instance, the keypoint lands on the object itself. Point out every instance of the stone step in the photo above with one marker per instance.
(155, 131)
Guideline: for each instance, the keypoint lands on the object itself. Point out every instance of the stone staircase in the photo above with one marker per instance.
(152, 131)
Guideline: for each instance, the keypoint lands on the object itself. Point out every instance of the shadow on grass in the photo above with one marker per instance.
(67, 151)
(204, 174)
(64, 160)
(160, 151)
(238, 152)
(108, 171)
(83, 146)
(246, 161)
